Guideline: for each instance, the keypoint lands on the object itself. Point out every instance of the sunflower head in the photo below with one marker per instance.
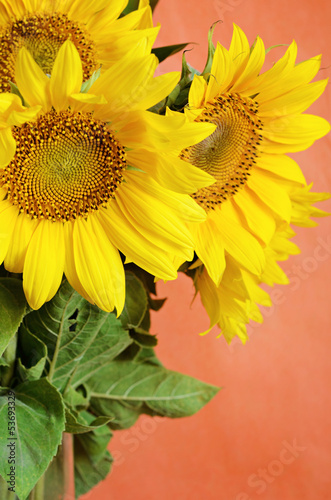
(43, 26)
(85, 176)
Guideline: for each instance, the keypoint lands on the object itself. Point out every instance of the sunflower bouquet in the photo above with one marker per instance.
(110, 180)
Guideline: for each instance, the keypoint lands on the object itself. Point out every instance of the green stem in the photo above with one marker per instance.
(4, 493)
(38, 491)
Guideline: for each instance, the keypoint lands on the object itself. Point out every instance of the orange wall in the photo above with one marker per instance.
(265, 436)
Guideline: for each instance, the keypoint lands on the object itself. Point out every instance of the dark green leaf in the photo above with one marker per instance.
(33, 355)
(135, 301)
(40, 421)
(12, 309)
(133, 5)
(163, 53)
(92, 460)
(142, 338)
(125, 386)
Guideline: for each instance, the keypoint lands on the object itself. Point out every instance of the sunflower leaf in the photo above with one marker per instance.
(33, 356)
(163, 53)
(76, 348)
(136, 301)
(12, 309)
(38, 414)
(76, 424)
(134, 4)
(126, 389)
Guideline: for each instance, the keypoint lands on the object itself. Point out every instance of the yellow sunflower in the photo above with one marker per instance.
(72, 184)
(41, 26)
(258, 118)
(234, 302)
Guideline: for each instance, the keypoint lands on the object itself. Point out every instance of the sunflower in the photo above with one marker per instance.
(41, 26)
(258, 117)
(235, 301)
(72, 184)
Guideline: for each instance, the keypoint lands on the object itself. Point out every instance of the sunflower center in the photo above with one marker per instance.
(65, 166)
(42, 35)
(229, 153)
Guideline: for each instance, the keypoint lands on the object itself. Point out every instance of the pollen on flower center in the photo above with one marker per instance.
(229, 153)
(42, 35)
(65, 166)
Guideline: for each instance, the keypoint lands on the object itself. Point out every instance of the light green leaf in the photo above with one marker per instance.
(88, 84)
(40, 421)
(12, 309)
(125, 389)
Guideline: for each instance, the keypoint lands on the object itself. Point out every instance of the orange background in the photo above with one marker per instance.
(265, 435)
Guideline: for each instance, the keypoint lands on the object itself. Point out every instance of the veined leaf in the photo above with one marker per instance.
(33, 441)
(125, 389)
(80, 337)
(12, 309)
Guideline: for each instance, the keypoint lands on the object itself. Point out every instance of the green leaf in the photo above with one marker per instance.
(33, 355)
(125, 389)
(12, 309)
(163, 53)
(133, 5)
(39, 418)
(92, 460)
(143, 338)
(136, 301)
(211, 50)
(76, 424)
(80, 337)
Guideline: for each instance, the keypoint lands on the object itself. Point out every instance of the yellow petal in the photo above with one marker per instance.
(293, 102)
(239, 51)
(271, 194)
(67, 75)
(98, 265)
(7, 147)
(281, 166)
(295, 131)
(209, 247)
(197, 92)
(69, 263)
(44, 263)
(170, 171)
(31, 80)
(238, 242)
(221, 73)
(252, 69)
(260, 221)
(8, 216)
(22, 234)
(134, 245)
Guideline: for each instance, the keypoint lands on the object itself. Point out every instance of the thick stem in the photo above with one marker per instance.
(68, 466)
(38, 491)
